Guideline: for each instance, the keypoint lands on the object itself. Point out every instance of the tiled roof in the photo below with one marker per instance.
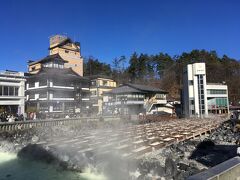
(135, 88)
(146, 88)
(49, 58)
(124, 89)
(56, 72)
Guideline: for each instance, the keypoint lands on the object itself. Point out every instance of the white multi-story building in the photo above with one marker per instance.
(200, 98)
(12, 87)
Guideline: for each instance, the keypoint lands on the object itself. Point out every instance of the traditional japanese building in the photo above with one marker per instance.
(67, 49)
(99, 84)
(135, 99)
(56, 89)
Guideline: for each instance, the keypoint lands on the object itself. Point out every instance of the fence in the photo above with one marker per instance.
(11, 126)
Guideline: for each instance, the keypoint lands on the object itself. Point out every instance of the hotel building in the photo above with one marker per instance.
(98, 86)
(12, 86)
(56, 89)
(135, 99)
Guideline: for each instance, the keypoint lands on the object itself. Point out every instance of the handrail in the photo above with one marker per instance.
(11, 126)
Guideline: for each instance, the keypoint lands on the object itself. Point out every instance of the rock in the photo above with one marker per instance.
(183, 166)
(220, 138)
(170, 167)
(143, 168)
(187, 154)
(181, 175)
(35, 139)
(141, 177)
(36, 152)
(193, 170)
(158, 170)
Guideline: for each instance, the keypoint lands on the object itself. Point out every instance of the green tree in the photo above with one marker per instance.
(93, 66)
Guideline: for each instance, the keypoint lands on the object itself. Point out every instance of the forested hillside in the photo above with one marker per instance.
(165, 71)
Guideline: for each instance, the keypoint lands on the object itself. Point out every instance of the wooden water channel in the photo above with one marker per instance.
(130, 140)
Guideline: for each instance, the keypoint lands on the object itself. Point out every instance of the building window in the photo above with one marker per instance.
(217, 91)
(192, 102)
(43, 95)
(8, 91)
(42, 82)
(105, 83)
(31, 84)
(16, 91)
(5, 90)
(201, 95)
(11, 91)
(32, 96)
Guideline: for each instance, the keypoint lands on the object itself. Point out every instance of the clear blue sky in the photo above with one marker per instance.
(109, 29)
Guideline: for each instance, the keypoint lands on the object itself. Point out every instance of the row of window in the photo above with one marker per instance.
(130, 99)
(221, 101)
(8, 91)
(53, 65)
(55, 95)
(216, 91)
(160, 96)
(131, 96)
(56, 83)
(201, 100)
(104, 83)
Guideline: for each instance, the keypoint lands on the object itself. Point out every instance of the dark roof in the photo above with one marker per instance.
(146, 88)
(99, 76)
(55, 57)
(124, 89)
(135, 88)
(56, 72)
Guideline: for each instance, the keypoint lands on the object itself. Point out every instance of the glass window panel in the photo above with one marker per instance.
(11, 90)
(5, 91)
(16, 91)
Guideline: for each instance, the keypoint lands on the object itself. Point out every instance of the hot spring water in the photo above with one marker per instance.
(13, 168)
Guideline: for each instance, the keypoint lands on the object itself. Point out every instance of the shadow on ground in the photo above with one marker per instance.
(209, 154)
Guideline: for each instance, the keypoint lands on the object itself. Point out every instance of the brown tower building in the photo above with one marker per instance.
(68, 50)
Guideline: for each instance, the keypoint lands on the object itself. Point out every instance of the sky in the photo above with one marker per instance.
(108, 29)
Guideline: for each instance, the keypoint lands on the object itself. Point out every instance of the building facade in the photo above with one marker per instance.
(200, 98)
(68, 51)
(217, 98)
(135, 99)
(56, 89)
(98, 86)
(12, 87)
